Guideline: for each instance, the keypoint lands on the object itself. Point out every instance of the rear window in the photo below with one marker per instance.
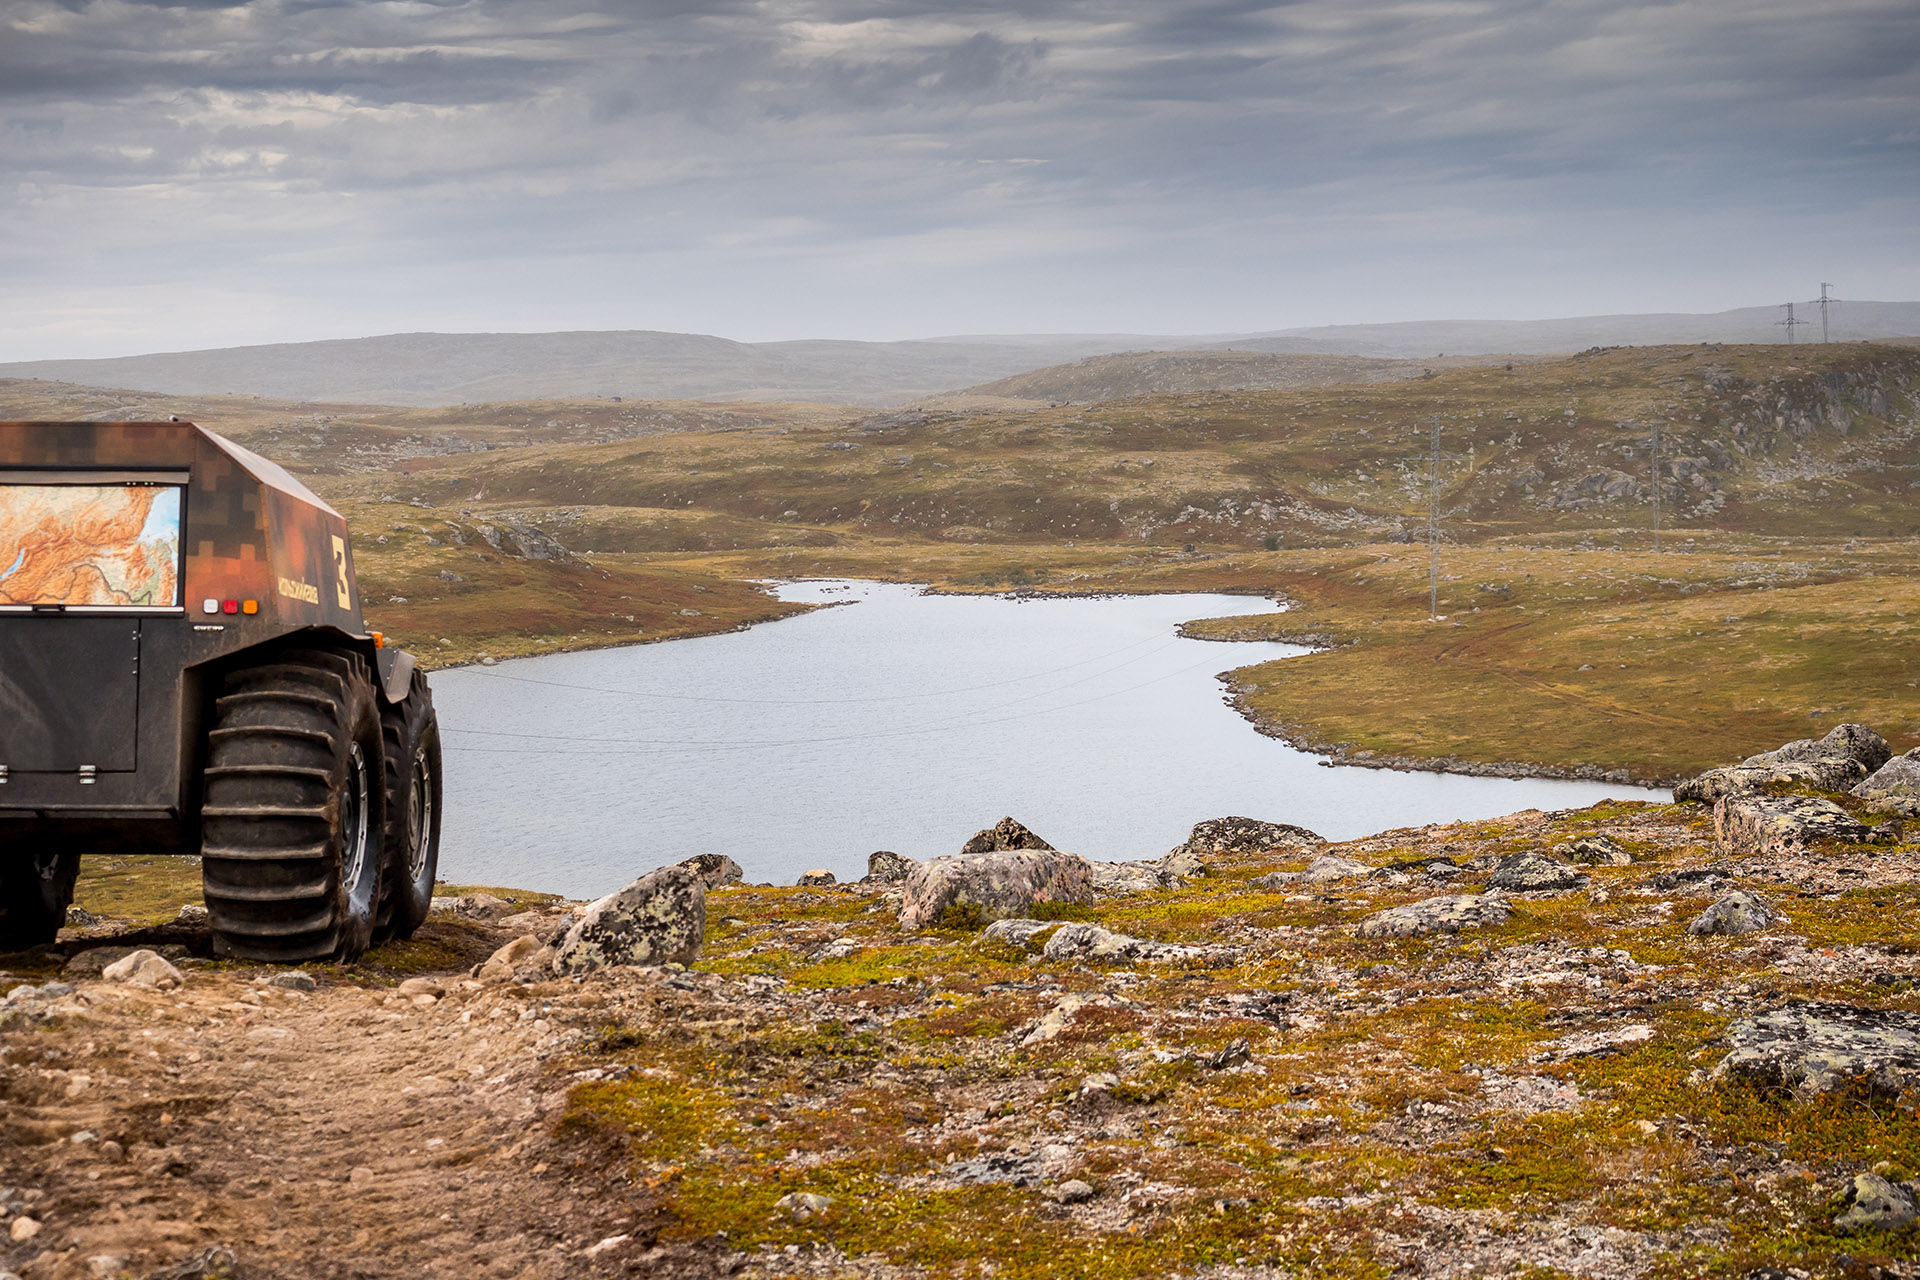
(110, 545)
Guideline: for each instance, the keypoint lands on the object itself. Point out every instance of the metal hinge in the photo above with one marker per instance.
(89, 774)
(3, 775)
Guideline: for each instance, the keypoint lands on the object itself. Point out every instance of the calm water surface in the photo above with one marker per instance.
(902, 721)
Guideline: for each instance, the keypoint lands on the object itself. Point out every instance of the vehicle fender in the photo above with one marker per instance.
(396, 672)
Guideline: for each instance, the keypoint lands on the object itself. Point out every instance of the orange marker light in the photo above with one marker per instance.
(230, 606)
(250, 606)
(379, 640)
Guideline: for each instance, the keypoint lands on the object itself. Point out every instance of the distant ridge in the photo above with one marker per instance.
(452, 368)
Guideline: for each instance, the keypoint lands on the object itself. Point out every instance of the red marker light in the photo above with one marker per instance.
(230, 606)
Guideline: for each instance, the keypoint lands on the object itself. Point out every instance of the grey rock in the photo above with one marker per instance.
(884, 866)
(476, 906)
(1329, 867)
(1739, 912)
(1182, 863)
(1116, 878)
(1833, 763)
(1437, 915)
(1002, 836)
(89, 963)
(1245, 835)
(1853, 742)
(1875, 1204)
(997, 885)
(1772, 825)
(658, 918)
(804, 1206)
(1895, 785)
(998, 1168)
(1594, 851)
(216, 1263)
(1089, 942)
(1814, 1048)
(714, 869)
(1534, 872)
(1016, 932)
(143, 969)
(838, 949)
(1072, 1191)
(294, 980)
(191, 913)
(816, 878)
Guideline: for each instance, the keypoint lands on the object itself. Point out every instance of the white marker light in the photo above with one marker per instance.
(210, 606)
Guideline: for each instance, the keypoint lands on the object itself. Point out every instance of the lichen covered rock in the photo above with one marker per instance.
(1218, 836)
(884, 866)
(1772, 825)
(996, 885)
(1739, 912)
(660, 917)
(1001, 836)
(1876, 1204)
(1534, 872)
(1895, 784)
(1594, 851)
(1814, 1048)
(1450, 914)
(714, 869)
(1833, 763)
(818, 878)
(1090, 942)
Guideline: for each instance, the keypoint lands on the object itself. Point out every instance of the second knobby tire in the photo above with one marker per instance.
(36, 888)
(412, 736)
(295, 812)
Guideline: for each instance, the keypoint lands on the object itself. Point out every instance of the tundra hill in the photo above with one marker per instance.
(1755, 440)
(1143, 373)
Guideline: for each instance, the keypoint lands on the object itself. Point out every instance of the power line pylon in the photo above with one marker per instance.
(1823, 301)
(1791, 323)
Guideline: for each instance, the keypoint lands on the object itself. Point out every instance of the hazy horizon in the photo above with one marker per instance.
(234, 172)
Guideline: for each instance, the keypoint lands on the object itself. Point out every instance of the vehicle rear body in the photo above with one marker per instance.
(139, 562)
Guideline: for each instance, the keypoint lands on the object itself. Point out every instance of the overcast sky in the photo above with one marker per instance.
(202, 173)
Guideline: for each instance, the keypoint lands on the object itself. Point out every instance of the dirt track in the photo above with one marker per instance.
(346, 1132)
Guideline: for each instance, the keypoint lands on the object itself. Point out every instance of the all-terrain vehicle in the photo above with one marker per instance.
(184, 669)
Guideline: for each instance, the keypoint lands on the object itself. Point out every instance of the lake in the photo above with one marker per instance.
(900, 720)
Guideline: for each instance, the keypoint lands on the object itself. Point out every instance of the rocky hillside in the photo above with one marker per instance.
(1619, 1042)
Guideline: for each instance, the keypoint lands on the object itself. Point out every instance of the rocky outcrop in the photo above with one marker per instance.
(816, 879)
(1218, 836)
(1739, 912)
(713, 869)
(993, 886)
(1833, 763)
(1001, 836)
(659, 918)
(1875, 1204)
(1089, 942)
(1594, 851)
(1437, 915)
(1815, 1048)
(1768, 826)
(884, 866)
(1534, 872)
(1895, 785)
(1017, 932)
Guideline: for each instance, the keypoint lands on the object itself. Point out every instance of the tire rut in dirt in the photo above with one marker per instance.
(293, 810)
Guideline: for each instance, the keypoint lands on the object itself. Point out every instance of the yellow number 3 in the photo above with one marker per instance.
(340, 586)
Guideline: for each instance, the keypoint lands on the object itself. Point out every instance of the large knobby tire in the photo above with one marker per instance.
(36, 888)
(411, 733)
(294, 816)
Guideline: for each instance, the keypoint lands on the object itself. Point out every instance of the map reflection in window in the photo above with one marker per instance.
(104, 545)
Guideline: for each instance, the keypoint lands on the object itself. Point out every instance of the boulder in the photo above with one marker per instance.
(1329, 867)
(1437, 915)
(1772, 825)
(714, 869)
(143, 969)
(1739, 912)
(884, 866)
(997, 885)
(1833, 763)
(1181, 864)
(1534, 872)
(1083, 942)
(1001, 836)
(1895, 784)
(1017, 932)
(1115, 878)
(91, 962)
(816, 878)
(1875, 1204)
(659, 918)
(1814, 1048)
(1594, 851)
(1244, 835)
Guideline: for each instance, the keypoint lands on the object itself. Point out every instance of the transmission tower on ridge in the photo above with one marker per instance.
(1823, 300)
(1791, 323)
